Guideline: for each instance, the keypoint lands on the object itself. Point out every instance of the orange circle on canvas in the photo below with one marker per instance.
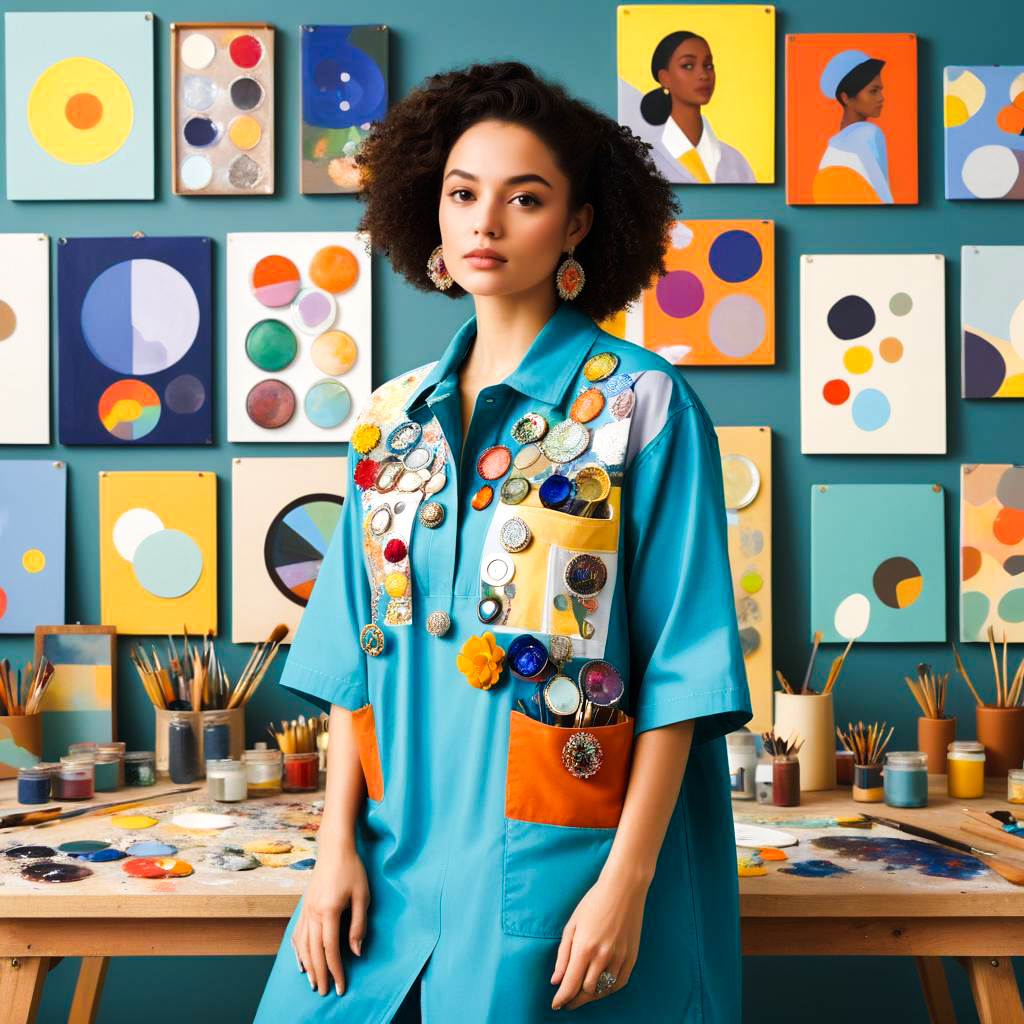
(334, 352)
(1008, 527)
(333, 268)
(83, 110)
(245, 132)
(156, 867)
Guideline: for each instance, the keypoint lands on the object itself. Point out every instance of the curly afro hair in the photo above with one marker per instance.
(402, 162)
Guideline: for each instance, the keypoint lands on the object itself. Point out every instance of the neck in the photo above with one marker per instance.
(850, 117)
(690, 122)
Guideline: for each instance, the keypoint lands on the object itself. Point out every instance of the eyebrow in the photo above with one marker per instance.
(519, 179)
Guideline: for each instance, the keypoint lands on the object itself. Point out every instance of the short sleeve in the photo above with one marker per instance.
(325, 664)
(685, 656)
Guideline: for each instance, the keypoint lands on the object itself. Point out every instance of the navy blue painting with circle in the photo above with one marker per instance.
(134, 341)
(342, 85)
(735, 256)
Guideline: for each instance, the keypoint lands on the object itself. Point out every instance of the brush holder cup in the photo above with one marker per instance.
(22, 736)
(934, 736)
(809, 719)
(1001, 730)
(197, 720)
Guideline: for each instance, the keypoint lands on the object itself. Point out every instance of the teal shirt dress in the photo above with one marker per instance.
(596, 575)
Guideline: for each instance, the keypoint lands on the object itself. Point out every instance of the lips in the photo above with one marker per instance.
(485, 254)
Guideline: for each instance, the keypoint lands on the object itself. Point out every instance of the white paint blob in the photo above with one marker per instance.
(204, 820)
(132, 528)
(852, 616)
(197, 51)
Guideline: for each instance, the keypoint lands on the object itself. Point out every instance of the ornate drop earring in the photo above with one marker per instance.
(438, 272)
(570, 277)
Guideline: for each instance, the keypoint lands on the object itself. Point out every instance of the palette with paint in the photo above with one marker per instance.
(299, 320)
(222, 108)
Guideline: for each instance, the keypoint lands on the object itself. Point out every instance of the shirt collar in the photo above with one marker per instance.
(709, 149)
(545, 372)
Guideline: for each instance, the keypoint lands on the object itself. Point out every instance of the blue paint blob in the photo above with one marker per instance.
(303, 865)
(928, 858)
(100, 856)
(735, 256)
(200, 131)
(851, 317)
(814, 869)
(151, 848)
(984, 367)
(871, 409)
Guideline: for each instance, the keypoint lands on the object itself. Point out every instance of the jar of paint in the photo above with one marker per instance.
(116, 750)
(741, 747)
(763, 782)
(33, 785)
(226, 780)
(867, 783)
(844, 767)
(786, 781)
(182, 755)
(216, 738)
(301, 773)
(74, 781)
(140, 768)
(906, 778)
(85, 747)
(1015, 786)
(108, 769)
(965, 770)
(262, 771)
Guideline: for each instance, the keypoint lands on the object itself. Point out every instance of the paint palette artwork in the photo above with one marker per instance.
(222, 108)
(872, 354)
(80, 704)
(984, 125)
(33, 516)
(344, 90)
(283, 515)
(747, 477)
(733, 141)
(135, 341)
(715, 306)
(992, 318)
(24, 339)
(79, 95)
(851, 119)
(992, 552)
(299, 322)
(158, 551)
(878, 563)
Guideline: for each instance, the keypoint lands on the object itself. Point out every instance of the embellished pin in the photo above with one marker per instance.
(514, 490)
(586, 575)
(404, 437)
(371, 639)
(565, 441)
(526, 457)
(417, 458)
(582, 755)
(618, 384)
(387, 475)
(480, 661)
(365, 438)
(592, 484)
(515, 535)
(380, 520)
(366, 473)
(395, 550)
(529, 428)
(622, 404)
(587, 406)
(494, 462)
(438, 623)
(602, 683)
(431, 515)
(555, 491)
(604, 364)
(562, 695)
(560, 649)
(527, 656)
(488, 609)
(498, 569)
(482, 498)
(410, 482)
(435, 483)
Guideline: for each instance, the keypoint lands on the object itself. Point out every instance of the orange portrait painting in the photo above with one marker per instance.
(851, 119)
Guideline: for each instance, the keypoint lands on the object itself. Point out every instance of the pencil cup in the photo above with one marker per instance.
(934, 736)
(1001, 730)
(809, 718)
(25, 732)
(198, 719)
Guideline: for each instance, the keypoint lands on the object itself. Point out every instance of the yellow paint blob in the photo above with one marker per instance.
(245, 132)
(752, 582)
(956, 112)
(334, 352)
(124, 410)
(1013, 387)
(33, 560)
(274, 846)
(908, 591)
(132, 821)
(858, 359)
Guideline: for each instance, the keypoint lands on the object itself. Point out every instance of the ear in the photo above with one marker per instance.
(579, 225)
(663, 78)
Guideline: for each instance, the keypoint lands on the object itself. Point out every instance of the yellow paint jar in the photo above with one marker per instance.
(965, 770)
(1015, 786)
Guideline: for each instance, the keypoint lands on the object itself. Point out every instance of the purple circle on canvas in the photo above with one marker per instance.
(680, 293)
(738, 326)
(314, 308)
(185, 394)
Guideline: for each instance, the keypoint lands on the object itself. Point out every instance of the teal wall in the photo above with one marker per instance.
(574, 41)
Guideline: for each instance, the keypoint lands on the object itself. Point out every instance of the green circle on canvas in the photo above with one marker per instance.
(83, 846)
(271, 345)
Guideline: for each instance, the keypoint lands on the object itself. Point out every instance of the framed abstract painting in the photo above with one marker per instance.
(992, 321)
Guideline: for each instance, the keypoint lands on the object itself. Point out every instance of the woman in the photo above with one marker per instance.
(505, 865)
(855, 165)
(686, 149)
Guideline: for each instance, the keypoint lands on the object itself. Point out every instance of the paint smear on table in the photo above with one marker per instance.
(749, 863)
(898, 854)
(770, 853)
(814, 869)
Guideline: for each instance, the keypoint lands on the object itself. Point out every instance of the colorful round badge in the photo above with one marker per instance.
(515, 535)
(275, 281)
(514, 490)
(526, 457)
(313, 310)
(602, 683)
(604, 364)
(438, 623)
(592, 483)
(365, 473)
(562, 695)
(435, 483)
(555, 491)
(270, 404)
(365, 438)
(565, 441)
(380, 520)
(582, 755)
(371, 639)
(741, 479)
(334, 268)
(586, 575)
(529, 428)
(405, 436)
(618, 384)
(497, 569)
(482, 498)
(431, 515)
(527, 656)
(416, 459)
(395, 550)
(271, 345)
(494, 462)
(560, 649)
(129, 409)
(387, 475)
(334, 353)
(587, 406)
(488, 609)
(622, 404)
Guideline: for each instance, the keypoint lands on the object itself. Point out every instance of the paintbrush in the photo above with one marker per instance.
(810, 663)
(966, 678)
(257, 666)
(1010, 870)
(20, 819)
(836, 670)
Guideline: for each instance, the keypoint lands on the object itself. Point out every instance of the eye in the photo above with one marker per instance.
(530, 200)
(688, 67)
(457, 193)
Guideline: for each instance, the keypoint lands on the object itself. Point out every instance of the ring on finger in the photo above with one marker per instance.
(605, 982)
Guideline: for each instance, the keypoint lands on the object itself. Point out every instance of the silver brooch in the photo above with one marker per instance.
(438, 623)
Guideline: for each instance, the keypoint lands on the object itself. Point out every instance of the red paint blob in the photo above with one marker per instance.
(246, 51)
(836, 392)
(1008, 527)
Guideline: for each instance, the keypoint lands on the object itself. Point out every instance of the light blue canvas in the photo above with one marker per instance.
(34, 42)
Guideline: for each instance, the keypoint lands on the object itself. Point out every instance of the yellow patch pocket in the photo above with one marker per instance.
(365, 729)
(558, 828)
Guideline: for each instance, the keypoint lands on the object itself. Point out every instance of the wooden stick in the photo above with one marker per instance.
(961, 668)
(810, 663)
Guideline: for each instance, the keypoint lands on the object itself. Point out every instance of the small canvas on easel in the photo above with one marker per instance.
(992, 317)
(33, 517)
(747, 478)
(25, 339)
(80, 703)
(158, 551)
(344, 90)
(283, 515)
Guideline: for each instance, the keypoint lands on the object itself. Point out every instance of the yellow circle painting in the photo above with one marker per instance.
(80, 111)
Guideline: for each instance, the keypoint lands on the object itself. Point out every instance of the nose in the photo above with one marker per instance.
(488, 218)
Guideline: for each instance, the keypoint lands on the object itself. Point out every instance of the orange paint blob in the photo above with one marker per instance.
(770, 853)
(1008, 527)
(836, 392)
(83, 111)
(333, 268)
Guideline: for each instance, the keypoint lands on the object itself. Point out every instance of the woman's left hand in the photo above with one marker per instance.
(603, 934)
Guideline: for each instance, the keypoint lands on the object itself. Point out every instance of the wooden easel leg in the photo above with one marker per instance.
(994, 986)
(89, 990)
(21, 986)
(936, 990)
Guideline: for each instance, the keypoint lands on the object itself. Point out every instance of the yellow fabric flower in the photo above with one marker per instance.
(365, 438)
(480, 661)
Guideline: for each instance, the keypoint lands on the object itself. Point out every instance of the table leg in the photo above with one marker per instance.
(994, 986)
(88, 990)
(21, 986)
(936, 990)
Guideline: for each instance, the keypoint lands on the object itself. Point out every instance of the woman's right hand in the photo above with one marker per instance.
(338, 882)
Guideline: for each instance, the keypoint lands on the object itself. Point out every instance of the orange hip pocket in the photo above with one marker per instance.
(365, 729)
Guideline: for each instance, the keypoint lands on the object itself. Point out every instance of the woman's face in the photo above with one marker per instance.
(867, 102)
(690, 75)
(502, 191)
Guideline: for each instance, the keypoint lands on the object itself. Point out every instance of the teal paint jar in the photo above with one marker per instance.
(905, 779)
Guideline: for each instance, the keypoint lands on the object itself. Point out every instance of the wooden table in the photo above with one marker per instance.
(875, 912)
(211, 912)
